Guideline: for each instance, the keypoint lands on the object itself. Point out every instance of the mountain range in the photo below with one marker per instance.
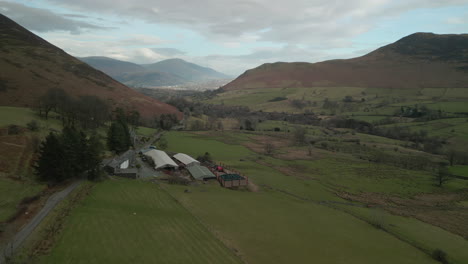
(168, 72)
(31, 66)
(420, 60)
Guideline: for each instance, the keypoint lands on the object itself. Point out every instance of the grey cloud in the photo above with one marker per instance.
(43, 20)
(308, 21)
(168, 51)
(75, 15)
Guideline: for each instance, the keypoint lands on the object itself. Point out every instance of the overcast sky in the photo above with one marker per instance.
(232, 36)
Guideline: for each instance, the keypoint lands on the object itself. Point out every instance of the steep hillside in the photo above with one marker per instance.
(186, 70)
(30, 66)
(421, 60)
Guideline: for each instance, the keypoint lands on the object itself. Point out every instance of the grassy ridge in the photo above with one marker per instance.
(370, 104)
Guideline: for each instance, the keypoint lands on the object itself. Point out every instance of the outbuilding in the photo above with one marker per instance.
(160, 159)
(121, 162)
(130, 173)
(200, 172)
(232, 180)
(186, 159)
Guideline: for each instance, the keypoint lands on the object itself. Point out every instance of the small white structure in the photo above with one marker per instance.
(186, 159)
(161, 159)
(125, 164)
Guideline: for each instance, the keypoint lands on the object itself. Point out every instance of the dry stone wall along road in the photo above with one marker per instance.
(21, 236)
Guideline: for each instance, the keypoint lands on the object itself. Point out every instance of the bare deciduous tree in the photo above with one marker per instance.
(269, 148)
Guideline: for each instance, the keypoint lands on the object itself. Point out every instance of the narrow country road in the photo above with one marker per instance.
(21, 236)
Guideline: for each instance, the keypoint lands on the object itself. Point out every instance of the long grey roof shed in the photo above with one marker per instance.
(200, 172)
(185, 159)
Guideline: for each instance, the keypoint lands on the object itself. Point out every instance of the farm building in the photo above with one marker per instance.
(130, 173)
(160, 159)
(200, 172)
(186, 159)
(121, 162)
(232, 180)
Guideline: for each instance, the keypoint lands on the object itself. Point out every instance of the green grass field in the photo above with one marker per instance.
(333, 173)
(11, 194)
(129, 221)
(269, 227)
(20, 116)
(291, 219)
(146, 131)
(376, 102)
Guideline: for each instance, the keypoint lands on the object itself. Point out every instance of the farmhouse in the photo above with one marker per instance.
(200, 172)
(160, 159)
(121, 162)
(186, 159)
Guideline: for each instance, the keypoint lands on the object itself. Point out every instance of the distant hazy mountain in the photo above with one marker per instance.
(164, 73)
(420, 60)
(30, 66)
(186, 70)
(112, 67)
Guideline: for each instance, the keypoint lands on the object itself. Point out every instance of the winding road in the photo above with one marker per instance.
(24, 233)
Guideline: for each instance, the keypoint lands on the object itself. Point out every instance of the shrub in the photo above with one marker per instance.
(277, 99)
(440, 255)
(205, 158)
(13, 130)
(178, 180)
(33, 125)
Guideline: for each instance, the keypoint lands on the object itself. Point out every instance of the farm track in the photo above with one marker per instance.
(24, 233)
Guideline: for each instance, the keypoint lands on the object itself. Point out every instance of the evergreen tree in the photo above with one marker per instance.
(73, 149)
(93, 157)
(69, 155)
(118, 136)
(49, 167)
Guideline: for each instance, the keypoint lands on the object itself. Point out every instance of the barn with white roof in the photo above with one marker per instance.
(185, 159)
(160, 159)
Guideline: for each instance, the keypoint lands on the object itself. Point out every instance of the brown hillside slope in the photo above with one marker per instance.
(420, 60)
(29, 66)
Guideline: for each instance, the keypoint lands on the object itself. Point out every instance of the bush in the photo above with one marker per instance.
(205, 158)
(440, 255)
(277, 99)
(178, 180)
(32, 125)
(13, 130)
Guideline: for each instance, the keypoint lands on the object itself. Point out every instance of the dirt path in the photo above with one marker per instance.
(24, 233)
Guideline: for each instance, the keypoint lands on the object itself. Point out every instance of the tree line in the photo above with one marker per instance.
(86, 111)
(67, 155)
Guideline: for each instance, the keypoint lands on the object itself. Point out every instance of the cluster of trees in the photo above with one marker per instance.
(86, 111)
(248, 124)
(241, 113)
(420, 138)
(421, 112)
(118, 135)
(300, 103)
(165, 121)
(211, 124)
(71, 154)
